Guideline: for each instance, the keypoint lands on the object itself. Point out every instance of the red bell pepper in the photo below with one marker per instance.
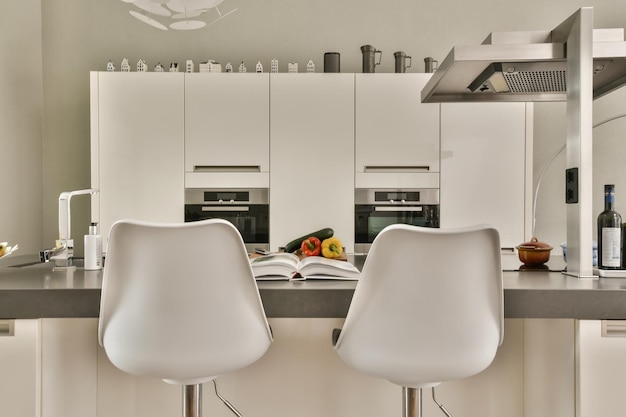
(311, 246)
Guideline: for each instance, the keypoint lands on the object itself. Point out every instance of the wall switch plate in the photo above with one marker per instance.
(571, 185)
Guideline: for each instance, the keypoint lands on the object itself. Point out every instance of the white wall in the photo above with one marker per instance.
(21, 212)
(80, 36)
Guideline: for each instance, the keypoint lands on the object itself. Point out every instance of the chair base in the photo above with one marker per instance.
(412, 402)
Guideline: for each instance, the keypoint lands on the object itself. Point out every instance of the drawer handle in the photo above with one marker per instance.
(613, 328)
(7, 327)
(226, 168)
(396, 168)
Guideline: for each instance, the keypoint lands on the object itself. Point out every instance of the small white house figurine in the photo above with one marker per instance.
(242, 67)
(159, 68)
(229, 67)
(274, 66)
(310, 66)
(189, 67)
(111, 66)
(141, 66)
(173, 66)
(259, 67)
(125, 67)
(292, 67)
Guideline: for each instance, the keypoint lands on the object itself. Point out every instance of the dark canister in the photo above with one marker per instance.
(401, 61)
(369, 58)
(332, 62)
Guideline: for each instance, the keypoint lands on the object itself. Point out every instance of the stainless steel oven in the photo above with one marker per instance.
(376, 209)
(247, 209)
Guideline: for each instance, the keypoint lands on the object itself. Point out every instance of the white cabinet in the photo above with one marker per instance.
(397, 136)
(312, 156)
(601, 368)
(20, 362)
(484, 161)
(226, 130)
(137, 140)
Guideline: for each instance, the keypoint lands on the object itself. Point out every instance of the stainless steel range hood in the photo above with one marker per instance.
(524, 66)
(574, 63)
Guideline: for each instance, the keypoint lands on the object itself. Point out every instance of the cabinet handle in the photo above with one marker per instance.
(7, 327)
(613, 328)
(226, 168)
(396, 168)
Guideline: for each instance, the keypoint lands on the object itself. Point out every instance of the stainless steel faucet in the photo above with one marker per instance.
(63, 252)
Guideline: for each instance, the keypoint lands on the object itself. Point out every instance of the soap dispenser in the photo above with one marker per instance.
(93, 248)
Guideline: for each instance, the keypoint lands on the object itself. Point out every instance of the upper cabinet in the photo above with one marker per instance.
(486, 167)
(226, 130)
(137, 146)
(397, 136)
(312, 156)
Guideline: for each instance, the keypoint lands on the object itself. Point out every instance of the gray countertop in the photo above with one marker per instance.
(36, 291)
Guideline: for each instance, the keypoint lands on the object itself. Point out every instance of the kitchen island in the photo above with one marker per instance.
(535, 373)
(32, 290)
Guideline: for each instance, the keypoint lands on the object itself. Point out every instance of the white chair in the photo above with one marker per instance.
(428, 308)
(180, 303)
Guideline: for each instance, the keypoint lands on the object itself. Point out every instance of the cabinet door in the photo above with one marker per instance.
(601, 368)
(397, 136)
(137, 122)
(226, 123)
(483, 167)
(20, 362)
(312, 156)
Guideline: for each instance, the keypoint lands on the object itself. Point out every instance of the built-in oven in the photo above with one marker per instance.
(247, 209)
(376, 209)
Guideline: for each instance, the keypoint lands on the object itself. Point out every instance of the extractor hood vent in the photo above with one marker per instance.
(523, 66)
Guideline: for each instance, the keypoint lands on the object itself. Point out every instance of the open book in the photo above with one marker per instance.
(287, 266)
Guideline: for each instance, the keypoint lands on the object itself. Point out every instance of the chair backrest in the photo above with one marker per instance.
(428, 307)
(180, 302)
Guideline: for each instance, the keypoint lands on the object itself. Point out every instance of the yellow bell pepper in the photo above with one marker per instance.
(332, 248)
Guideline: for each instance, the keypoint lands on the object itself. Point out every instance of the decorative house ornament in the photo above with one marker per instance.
(189, 67)
(274, 66)
(310, 66)
(174, 67)
(177, 14)
(141, 66)
(159, 68)
(111, 66)
(292, 67)
(259, 67)
(229, 67)
(125, 67)
(242, 67)
(210, 66)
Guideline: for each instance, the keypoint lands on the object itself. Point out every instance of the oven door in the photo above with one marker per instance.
(252, 220)
(370, 219)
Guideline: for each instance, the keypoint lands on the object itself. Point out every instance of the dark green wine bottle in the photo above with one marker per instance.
(609, 232)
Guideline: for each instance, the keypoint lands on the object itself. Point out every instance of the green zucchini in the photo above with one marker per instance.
(321, 234)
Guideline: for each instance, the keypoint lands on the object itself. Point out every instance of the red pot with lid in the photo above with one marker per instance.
(534, 252)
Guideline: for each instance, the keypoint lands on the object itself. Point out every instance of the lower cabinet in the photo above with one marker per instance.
(601, 368)
(19, 368)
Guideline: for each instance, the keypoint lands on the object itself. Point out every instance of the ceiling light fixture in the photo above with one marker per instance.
(177, 14)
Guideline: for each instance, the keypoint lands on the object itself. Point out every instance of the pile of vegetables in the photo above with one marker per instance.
(322, 242)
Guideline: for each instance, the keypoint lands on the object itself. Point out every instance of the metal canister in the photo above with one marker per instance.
(430, 65)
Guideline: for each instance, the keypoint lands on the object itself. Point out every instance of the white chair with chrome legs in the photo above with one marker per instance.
(180, 303)
(428, 308)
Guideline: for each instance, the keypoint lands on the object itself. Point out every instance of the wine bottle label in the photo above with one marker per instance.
(611, 247)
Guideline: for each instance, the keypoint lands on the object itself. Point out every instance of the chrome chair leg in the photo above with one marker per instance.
(192, 400)
(225, 401)
(411, 402)
(441, 407)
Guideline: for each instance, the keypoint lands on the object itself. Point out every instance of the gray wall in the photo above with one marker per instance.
(52, 45)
